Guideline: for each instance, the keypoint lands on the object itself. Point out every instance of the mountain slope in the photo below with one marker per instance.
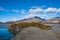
(55, 19)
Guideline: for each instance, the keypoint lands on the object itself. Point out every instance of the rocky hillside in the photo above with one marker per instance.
(16, 28)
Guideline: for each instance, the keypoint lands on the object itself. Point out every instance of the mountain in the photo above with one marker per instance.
(55, 19)
(33, 19)
(1, 24)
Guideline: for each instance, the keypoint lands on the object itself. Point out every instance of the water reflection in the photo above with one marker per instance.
(4, 34)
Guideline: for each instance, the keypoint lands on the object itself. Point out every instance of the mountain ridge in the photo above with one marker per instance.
(33, 19)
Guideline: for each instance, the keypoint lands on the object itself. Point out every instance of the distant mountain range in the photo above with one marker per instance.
(55, 19)
(1, 24)
(35, 19)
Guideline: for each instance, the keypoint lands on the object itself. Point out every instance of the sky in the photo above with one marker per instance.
(13, 10)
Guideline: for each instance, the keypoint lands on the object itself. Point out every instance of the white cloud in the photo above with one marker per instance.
(58, 10)
(3, 9)
(14, 19)
(44, 15)
(42, 10)
(43, 6)
(31, 15)
(33, 12)
(37, 10)
(23, 11)
(15, 10)
(50, 10)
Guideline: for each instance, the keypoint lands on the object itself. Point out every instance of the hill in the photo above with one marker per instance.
(16, 28)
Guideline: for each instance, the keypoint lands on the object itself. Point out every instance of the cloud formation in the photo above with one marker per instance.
(44, 13)
(58, 11)
(15, 10)
(3, 9)
(50, 10)
(35, 11)
(47, 10)
(23, 11)
(14, 19)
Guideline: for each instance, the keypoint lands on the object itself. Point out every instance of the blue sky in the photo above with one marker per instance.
(12, 10)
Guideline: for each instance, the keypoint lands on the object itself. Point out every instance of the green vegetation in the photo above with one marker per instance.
(22, 25)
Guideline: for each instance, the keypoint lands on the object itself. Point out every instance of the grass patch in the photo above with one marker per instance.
(22, 25)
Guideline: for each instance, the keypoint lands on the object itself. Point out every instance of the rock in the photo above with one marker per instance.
(33, 33)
